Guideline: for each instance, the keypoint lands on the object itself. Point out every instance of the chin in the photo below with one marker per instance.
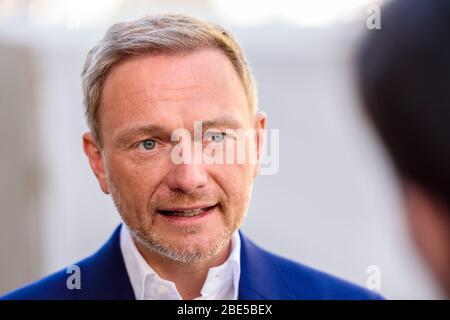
(190, 248)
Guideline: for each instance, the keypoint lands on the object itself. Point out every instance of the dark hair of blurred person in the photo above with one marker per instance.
(404, 77)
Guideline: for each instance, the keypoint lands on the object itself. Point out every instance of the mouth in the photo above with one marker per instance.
(188, 212)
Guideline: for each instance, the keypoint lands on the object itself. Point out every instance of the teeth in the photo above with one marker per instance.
(190, 213)
(185, 213)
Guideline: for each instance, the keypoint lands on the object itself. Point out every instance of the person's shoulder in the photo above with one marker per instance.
(319, 284)
(56, 286)
(99, 276)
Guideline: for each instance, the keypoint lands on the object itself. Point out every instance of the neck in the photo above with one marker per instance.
(189, 278)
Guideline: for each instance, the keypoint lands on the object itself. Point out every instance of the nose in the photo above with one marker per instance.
(187, 177)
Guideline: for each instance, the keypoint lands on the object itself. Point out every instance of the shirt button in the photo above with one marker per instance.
(162, 289)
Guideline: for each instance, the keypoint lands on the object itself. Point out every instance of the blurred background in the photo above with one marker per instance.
(333, 204)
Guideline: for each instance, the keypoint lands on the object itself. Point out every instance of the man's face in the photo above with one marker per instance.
(146, 98)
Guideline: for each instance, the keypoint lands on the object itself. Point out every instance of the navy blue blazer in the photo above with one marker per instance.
(263, 276)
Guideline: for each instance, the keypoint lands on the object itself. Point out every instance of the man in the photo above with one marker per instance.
(405, 75)
(147, 86)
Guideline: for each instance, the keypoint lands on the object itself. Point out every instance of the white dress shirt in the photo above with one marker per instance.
(222, 282)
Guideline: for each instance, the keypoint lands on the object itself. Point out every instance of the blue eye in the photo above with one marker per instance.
(149, 144)
(217, 136)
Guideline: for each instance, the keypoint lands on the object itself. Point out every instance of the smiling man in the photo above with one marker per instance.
(148, 86)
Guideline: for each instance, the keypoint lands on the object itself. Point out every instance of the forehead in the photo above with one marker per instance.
(172, 90)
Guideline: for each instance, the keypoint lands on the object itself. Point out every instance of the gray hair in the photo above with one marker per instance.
(157, 34)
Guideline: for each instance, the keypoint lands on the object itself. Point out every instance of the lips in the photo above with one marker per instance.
(185, 213)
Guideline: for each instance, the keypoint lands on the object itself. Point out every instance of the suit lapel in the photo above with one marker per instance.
(260, 277)
(106, 276)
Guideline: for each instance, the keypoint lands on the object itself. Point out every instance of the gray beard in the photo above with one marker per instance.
(187, 255)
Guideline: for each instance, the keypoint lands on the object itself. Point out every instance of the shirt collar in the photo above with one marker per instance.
(222, 282)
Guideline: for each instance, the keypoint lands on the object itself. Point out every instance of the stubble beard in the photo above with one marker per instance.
(151, 239)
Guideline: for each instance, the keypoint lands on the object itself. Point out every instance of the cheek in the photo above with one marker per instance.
(135, 181)
(235, 181)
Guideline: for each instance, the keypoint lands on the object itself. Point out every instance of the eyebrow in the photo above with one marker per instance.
(156, 129)
(150, 129)
(222, 122)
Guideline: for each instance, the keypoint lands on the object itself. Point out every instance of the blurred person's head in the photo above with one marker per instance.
(145, 80)
(404, 74)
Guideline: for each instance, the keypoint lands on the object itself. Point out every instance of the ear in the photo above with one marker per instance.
(259, 126)
(429, 223)
(94, 154)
